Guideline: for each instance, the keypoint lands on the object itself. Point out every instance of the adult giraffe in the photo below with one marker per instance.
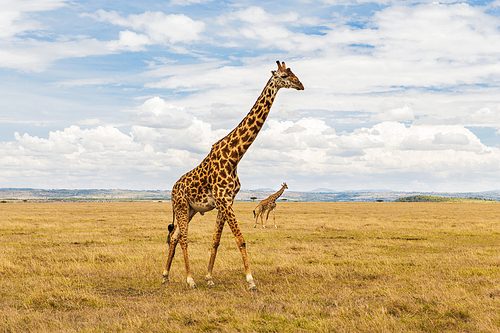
(214, 182)
(268, 205)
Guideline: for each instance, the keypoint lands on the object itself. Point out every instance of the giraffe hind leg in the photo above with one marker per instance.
(228, 215)
(215, 245)
(183, 214)
(171, 253)
(172, 242)
(256, 215)
(262, 218)
(183, 239)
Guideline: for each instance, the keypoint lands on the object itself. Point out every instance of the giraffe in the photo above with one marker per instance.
(214, 182)
(268, 205)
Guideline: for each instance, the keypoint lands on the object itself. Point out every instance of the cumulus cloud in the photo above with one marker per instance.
(403, 113)
(487, 117)
(305, 149)
(435, 72)
(456, 138)
(165, 126)
(102, 154)
(155, 112)
(388, 98)
(388, 148)
(155, 28)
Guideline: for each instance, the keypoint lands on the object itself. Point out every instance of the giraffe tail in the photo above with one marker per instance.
(171, 227)
(254, 215)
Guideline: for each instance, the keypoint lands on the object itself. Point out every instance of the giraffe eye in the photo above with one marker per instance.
(284, 76)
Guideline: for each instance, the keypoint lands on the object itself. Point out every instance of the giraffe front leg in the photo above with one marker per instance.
(274, 219)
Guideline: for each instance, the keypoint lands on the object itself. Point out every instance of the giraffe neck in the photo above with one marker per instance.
(278, 194)
(236, 143)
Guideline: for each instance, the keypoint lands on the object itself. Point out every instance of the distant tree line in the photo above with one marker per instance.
(431, 198)
(423, 198)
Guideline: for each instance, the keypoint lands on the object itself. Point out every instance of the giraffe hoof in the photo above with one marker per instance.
(210, 282)
(191, 283)
(165, 280)
(252, 288)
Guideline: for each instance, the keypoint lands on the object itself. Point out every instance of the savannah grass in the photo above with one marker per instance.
(329, 267)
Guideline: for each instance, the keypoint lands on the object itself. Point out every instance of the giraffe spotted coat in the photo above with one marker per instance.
(268, 205)
(214, 182)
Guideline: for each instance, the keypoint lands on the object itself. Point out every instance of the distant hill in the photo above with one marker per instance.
(81, 194)
(243, 195)
(322, 190)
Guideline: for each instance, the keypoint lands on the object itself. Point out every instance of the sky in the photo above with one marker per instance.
(399, 95)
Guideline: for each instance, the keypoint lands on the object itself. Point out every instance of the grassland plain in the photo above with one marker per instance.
(329, 267)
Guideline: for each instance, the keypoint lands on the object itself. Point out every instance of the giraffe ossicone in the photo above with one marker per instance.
(214, 182)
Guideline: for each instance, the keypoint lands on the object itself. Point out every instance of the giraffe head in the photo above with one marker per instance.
(284, 77)
(284, 185)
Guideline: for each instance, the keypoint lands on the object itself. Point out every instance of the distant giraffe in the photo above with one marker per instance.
(214, 182)
(268, 205)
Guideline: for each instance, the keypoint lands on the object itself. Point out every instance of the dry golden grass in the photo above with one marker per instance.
(329, 267)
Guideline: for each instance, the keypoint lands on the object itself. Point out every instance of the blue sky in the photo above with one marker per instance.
(399, 95)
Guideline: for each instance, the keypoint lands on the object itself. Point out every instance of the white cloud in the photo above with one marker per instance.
(82, 157)
(15, 22)
(486, 116)
(90, 122)
(130, 41)
(155, 112)
(165, 126)
(451, 139)
(37, 56)
(427, 153)
(403, 113)
(298, 150)
(85, 82)
(422, 77)
(188, 2)
(268, 30)
(418, 75)
(15, 18)
(157, 27)
(32, 54)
